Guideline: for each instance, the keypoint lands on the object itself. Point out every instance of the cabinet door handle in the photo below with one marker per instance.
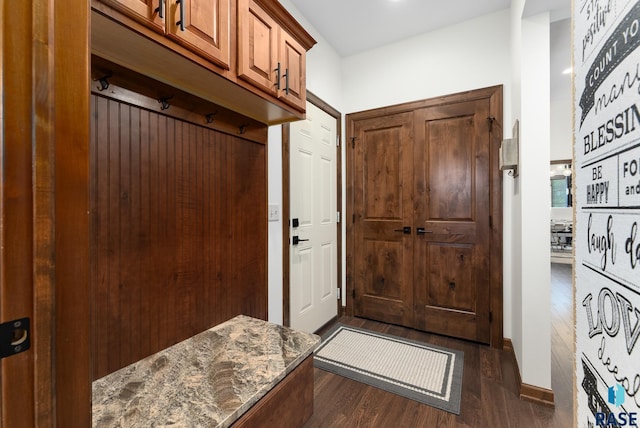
(286, 82)
(277, 70)
(422, 231)
(160, 9)
(181, 22)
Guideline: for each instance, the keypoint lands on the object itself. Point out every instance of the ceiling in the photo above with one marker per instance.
(354, 26)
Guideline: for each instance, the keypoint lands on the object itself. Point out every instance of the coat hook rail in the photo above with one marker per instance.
(210, 117)
(164, 102)
(104, 82)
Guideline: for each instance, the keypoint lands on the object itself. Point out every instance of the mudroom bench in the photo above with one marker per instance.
(242, 373)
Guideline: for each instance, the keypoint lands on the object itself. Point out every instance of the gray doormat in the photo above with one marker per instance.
(426, 373)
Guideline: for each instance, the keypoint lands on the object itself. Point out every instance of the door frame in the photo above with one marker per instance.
(495, 96)
(286, 209)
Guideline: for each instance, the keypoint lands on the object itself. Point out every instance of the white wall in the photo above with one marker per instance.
(324, 80)
(512, 224)
(274, 190)
(471, 55)
(531, 271)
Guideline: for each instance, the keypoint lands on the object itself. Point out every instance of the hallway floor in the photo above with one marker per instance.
(489, 391)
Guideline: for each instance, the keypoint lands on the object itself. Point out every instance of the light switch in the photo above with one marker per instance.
(274, 212)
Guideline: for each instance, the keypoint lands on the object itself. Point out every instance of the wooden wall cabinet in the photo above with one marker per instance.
(201, 26)
(147, 12)
(269, 56)
(246, 55)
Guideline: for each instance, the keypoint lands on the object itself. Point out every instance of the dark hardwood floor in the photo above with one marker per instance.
(489, 391)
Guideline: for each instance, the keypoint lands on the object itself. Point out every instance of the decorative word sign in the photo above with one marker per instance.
(607, 241)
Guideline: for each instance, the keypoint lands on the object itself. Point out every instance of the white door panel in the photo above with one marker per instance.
(313, 263)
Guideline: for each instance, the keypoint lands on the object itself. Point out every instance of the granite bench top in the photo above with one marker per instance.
(208, 380)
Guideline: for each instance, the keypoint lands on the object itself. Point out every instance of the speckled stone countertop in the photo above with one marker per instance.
(208, 380)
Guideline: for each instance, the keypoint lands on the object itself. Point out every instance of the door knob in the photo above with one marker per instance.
(297, 240)
(406, 230)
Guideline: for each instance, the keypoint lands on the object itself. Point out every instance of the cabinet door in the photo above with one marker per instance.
(257, 47)
(292, 57)
(148, 12)
(201, 26)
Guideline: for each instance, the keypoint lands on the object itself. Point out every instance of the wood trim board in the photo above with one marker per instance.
(528, 392)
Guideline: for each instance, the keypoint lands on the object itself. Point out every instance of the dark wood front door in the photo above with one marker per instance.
(452, 243)
(422, 189)
(382, 209)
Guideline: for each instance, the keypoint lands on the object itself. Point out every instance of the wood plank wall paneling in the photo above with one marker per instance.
(178, 231)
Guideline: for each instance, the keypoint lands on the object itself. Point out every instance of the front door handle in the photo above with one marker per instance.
(406, 230)
(297, 240)
(422, 231)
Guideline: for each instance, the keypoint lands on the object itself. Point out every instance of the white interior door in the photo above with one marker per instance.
(314, 258)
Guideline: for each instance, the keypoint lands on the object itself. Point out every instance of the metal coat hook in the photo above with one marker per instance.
(243, 129)
(164, 103)
(210, 117)
(104, 83)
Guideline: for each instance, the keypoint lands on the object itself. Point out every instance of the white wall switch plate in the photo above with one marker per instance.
(274, 212)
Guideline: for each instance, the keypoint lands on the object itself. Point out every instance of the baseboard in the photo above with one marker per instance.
(537, 395)
(327, 324)
(528, 392)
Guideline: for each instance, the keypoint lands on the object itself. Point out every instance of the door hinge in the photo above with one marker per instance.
(337, 141)
(353, 218)
(338, 293)
(490, 222)
(337, 216)
(353, 293)
(353, 142)
(15, 337)
(490, 316)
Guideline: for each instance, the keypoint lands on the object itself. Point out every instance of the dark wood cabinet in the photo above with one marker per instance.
(50, 169)
(246, 55)
(293, 60)
(151, 13)
(257, 46)
(269, 56)
(201, 26)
